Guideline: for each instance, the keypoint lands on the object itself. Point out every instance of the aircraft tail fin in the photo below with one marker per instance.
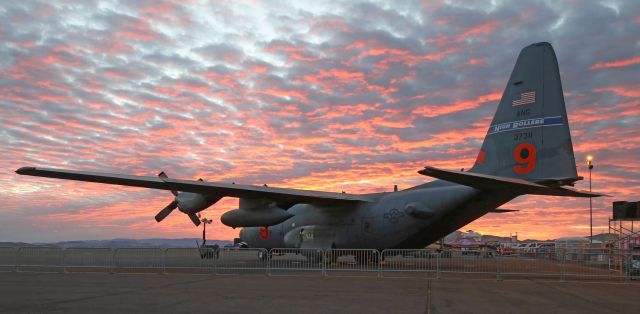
(529, 136)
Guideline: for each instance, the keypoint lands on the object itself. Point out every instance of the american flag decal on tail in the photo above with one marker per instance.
(525, 99)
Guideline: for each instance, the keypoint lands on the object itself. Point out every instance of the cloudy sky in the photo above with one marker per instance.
(336, 95)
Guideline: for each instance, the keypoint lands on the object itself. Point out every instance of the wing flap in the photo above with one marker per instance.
(280, 195)
(489, 182)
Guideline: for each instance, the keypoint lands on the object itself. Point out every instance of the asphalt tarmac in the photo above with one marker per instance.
(177, 293)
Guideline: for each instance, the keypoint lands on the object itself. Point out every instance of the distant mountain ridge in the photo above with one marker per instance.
(124, 243)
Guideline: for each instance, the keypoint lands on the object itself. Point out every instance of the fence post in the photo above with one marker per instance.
(269, 262)
(20, 250)
(564, 266)
(324, 262)
(64, 261)
(627, 270)
(378, 260)
(15, 260)
(215, 260)
(163, 254)
(113, 260)
(438, 265)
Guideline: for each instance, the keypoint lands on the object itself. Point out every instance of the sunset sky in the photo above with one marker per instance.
(336, 95)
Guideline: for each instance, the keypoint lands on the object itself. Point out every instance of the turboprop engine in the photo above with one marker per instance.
(188, 203)
(255, 212)
(255, 217)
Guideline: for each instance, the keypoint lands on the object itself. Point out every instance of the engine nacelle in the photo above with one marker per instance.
(191, 203)
(255, 217)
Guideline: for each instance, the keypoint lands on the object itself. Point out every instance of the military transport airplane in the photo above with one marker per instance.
(527, 150)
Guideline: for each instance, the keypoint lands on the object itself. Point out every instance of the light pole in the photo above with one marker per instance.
(590, 164)
(204, 229)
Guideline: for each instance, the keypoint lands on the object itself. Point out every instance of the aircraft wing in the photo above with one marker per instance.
(489, 182)
(503, 210)
(284, 197)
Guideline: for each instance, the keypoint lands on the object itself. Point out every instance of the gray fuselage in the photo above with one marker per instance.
(410, 218)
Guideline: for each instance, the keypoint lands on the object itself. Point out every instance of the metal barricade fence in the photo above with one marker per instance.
(299, 262)
(409, 263)
(190, 260)
(88, 259)
(39, 259)
(351, 262)
(546, 264)
(456, 262)
(573, 265)
(242, 261)
(7, 258)
(633, 268)
(138, 260)
(594, 266)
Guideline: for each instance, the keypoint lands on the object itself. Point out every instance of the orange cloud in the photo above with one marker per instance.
(458, 105)
(477, 61)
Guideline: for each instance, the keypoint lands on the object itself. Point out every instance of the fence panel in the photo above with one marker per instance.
(190, 260)
(242, 261)
(633, 268)
(454, 263)
(594, 266)
(8, 258)
(533, 266)
(138, 260)
(409, 263)
(298, 262)
(39, 259)
(351, 262)
(88, 260)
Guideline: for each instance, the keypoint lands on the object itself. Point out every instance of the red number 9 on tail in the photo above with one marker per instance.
(526, 163)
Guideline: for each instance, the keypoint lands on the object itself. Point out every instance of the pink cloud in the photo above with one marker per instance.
(477, 61)
(616, 64)
(434, 110)
(626, 90)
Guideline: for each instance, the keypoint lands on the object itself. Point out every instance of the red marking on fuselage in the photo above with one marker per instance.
(480, 158)
(264, 233)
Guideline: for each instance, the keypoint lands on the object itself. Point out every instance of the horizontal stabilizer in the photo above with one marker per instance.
(489, 182)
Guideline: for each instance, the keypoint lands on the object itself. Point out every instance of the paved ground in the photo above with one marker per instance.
(118, 293)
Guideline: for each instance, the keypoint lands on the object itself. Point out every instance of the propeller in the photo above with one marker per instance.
(194, 218)
(166, 211)
(173, 205)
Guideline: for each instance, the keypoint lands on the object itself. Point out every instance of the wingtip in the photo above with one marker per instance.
(426, 171)
(25, 170)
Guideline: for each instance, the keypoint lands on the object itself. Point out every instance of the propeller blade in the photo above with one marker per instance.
(166, 211)
(194, 219)
(163, 175)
